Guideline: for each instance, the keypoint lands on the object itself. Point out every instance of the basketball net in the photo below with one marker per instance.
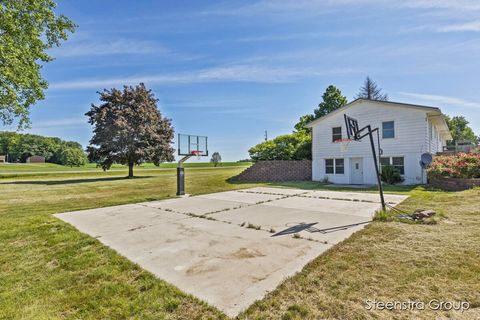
(343, 144)
(197, 153)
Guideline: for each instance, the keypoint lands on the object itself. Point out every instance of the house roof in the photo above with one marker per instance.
(434, 111)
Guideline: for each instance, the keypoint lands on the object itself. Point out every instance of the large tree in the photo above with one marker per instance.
(28, 28)
(129, 129)
(460, 130)
(371, 91)
(332, 100)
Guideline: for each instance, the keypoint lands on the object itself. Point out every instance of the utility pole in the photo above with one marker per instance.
(266, 135)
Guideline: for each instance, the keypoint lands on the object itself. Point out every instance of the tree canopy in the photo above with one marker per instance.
(371, 91)
(28, 28)
(332, 100)
(129, 129)
(460, 129)
(19, 147)
(74, 157)
(295, 146)
(298, 145)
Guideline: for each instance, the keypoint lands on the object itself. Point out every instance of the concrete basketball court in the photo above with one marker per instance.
(203, 246)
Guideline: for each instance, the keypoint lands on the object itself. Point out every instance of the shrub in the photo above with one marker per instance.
(460, 165)
(295, 146)
(390, 175)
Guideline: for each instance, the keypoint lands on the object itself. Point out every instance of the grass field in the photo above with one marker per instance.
(52, 167)
(48, 270)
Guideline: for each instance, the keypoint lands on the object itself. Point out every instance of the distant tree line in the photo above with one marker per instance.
(19, 147)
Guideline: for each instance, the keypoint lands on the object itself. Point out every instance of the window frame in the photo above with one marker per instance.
(336, 134)
(390, 162)
(337, 166)
(334, 166)
(388, 129)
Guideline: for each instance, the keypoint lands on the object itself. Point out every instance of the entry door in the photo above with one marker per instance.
(357, 170)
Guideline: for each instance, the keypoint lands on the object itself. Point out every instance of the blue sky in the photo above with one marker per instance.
(233, 69)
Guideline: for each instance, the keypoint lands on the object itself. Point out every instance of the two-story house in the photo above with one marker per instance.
(406, 132)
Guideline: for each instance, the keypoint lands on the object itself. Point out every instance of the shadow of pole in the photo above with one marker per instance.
(309, 227)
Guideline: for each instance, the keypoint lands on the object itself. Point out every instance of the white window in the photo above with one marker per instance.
(334, 166)
(397, 162)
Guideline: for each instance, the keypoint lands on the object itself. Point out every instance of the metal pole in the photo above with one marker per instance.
(379, 180)
(181, 176)
(180, 181)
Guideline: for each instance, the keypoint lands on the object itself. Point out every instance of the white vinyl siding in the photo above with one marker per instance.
(411, 131)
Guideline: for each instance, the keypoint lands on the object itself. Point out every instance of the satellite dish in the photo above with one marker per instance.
(426, 159)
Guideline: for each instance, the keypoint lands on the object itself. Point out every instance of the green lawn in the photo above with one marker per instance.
(48, 270)
(51, 167)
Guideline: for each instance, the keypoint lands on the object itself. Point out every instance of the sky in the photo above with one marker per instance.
(233, 69)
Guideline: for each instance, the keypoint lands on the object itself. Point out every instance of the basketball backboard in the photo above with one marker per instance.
(192, 145)
(352, 127)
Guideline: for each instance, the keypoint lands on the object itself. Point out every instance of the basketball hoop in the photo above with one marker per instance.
(343, 144)
(197, 153)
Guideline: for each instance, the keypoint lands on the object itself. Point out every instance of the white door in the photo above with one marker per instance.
(356, 170)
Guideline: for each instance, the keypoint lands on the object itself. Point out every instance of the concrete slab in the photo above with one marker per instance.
(219, 261)
(127, 218)
(276, 191)
(227, 266)
(195, 205)
(321, 226)
(356, 196)
(243, 197)
(362, 209)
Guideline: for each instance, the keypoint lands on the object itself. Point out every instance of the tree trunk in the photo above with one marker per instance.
(130, 170)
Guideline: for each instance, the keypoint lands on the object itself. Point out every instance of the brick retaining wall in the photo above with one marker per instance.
(453, 184)
(277, 170)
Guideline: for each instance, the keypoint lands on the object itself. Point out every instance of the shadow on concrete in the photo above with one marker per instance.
(309, 227)
(72, 181)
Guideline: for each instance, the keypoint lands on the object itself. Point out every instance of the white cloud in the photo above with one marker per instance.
(59, 123)
(446, 100)
(320, 6)
(233, 73)
(473, 26)
(109, 47)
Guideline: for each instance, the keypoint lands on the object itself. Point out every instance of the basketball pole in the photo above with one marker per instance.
(353, 130)
(181, 176)
(379, 180)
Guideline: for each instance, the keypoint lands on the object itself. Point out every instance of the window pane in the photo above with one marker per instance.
(336, 133)
(339, 169)
(388, 125)
(401, 169)
(328, 165)
(388, 129)
(397, 161)
(384, 161)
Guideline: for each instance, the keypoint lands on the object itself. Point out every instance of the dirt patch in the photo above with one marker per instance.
(200, 268)
(245, 253)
